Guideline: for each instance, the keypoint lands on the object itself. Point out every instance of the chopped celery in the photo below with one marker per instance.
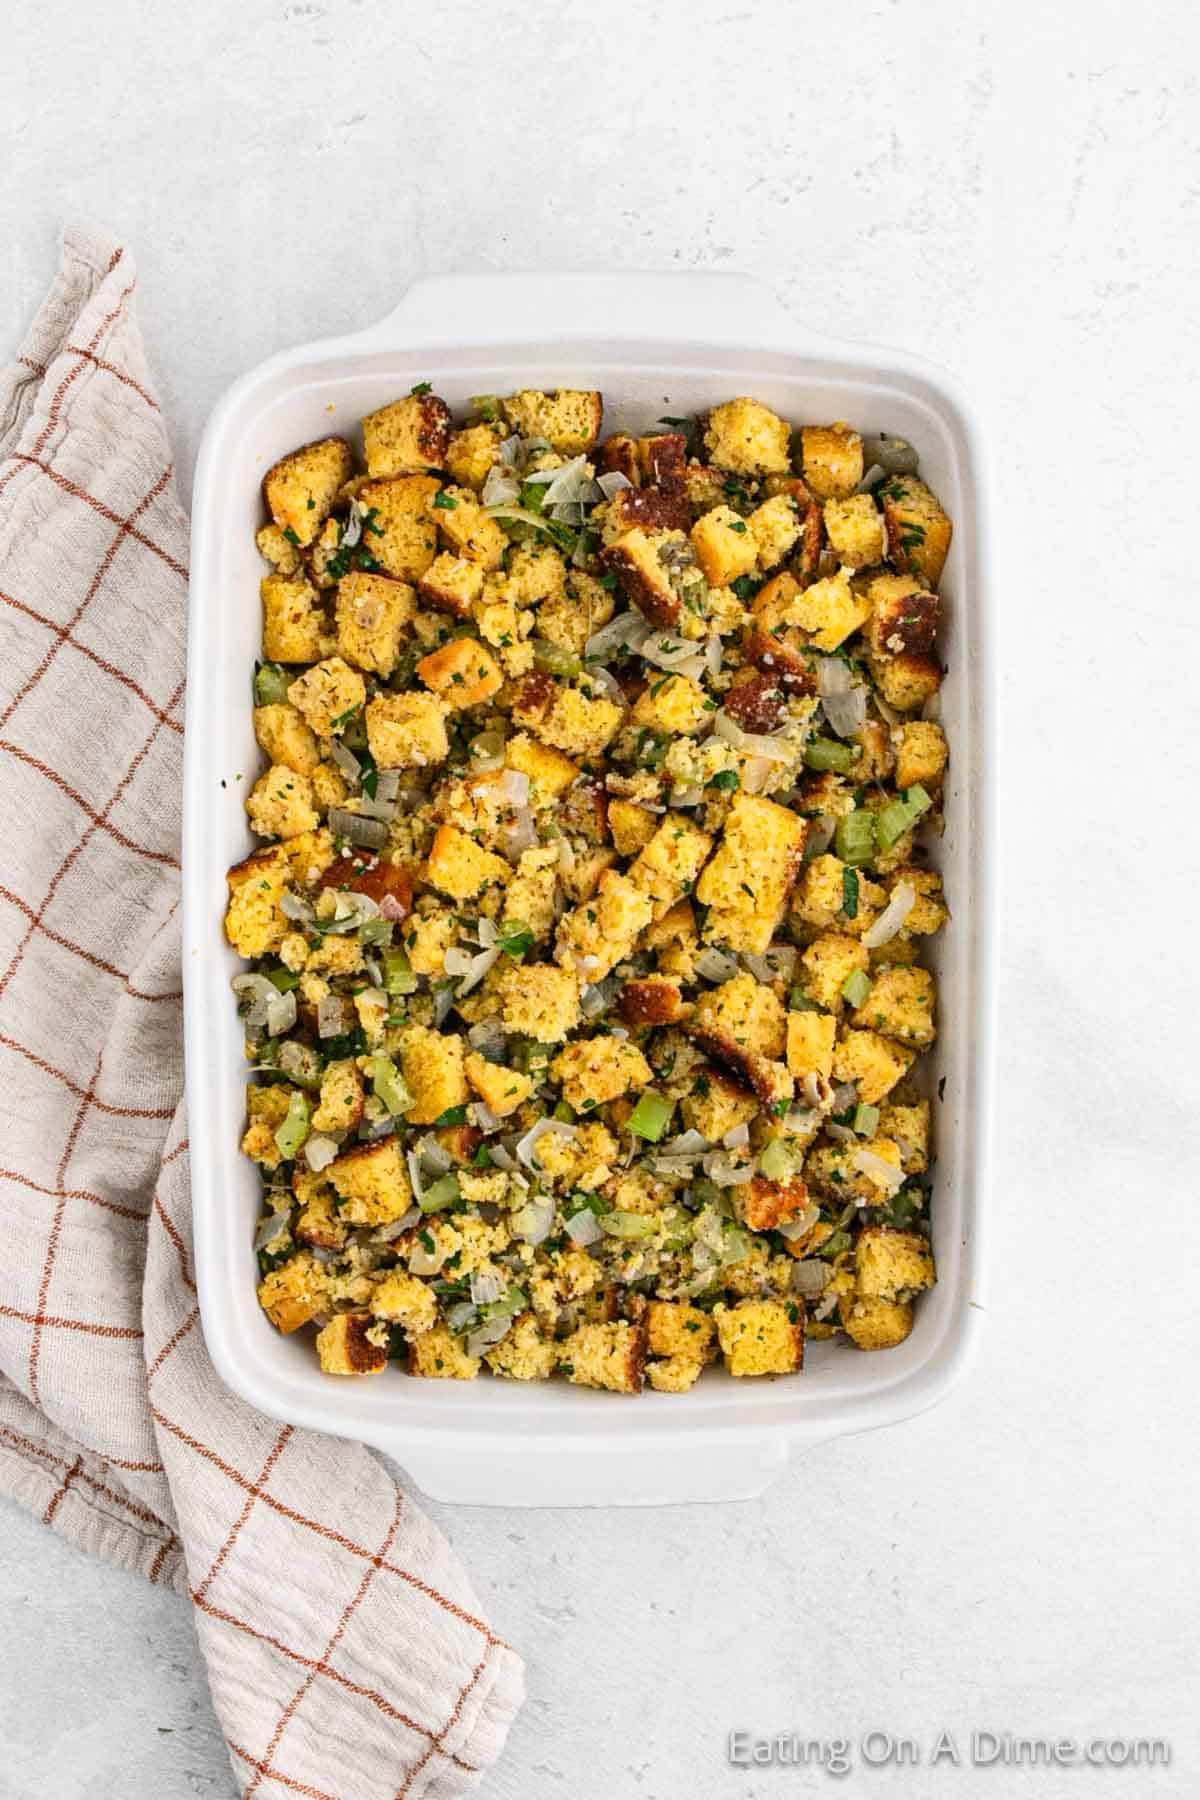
(651, 1116)
(564, 1113)
(856, 987)
(553, 660)
(900, 814)
(629, 1225)
(398, 977)
(508, 1305)
(778, 1161)
(271, 684)
(441, 1193)
(294, 1129)
(866, 1120)
(388, 1085)
(826, 753)
(375, 931)
(798, 1001)
(284, 979)
(855, 838)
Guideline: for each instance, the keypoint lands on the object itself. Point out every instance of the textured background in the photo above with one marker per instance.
(1012, 190)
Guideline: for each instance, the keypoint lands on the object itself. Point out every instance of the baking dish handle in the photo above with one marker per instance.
(593, 1472)
(614, 307)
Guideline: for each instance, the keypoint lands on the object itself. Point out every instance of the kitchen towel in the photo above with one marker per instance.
(346, 1651)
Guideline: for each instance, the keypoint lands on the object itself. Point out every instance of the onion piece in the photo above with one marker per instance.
(487, 1336)
(320, 1151)
(846, 713)
(298, 910)
(583, 1228)
(513, 788)
(519, 834)
(776, 964)
(267, 1006)
(270, 1228)
(501, 487)
(885, 1174)
(443, 1001)
(737, 1137)
(820, 836)
(486, 1287)
(572, 485)
(817, 1091)
(688, 794)
(484, 1117)
(688, 1143)
(435, 1159)
(598, 997)
(608, 684)
(754, 743)
(532, 1221)
(369, 833)
(503, 1158)
(628, 631)
(891, 919)
(720, 1167)
(528, 1144)
(387, 1234)
(487, 752)
(612, 482)
(716, 965)
(346, 761)
(809, 1278)
(794, 1229)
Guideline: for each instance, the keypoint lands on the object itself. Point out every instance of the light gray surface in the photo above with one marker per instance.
(1010, 190)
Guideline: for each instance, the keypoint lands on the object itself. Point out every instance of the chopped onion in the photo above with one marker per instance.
(689, 794)
(426, 1262)
(827, 1307)
(891, 919)
(688, 1143)
(720, 1167)
(528, 1144)
(666, 651)
(392, 907)
(794, 1229)
(608, 684)
(485, 933)
(817, 1091)
(801, 1119)
(754, 743)
(435, 1159)
(486, 1287)
(737, 1137)
(532, 1221)
(845, 1096)
(572, 485)
(513, 788)
(484, 1117)
(267, 1005)
(833, 677)
(846, 713)
(809, 1278)
(509, 451)
(487, 1336)
(346, 761)
(932, 709)
(757, 773)
(369, 833)
(350, 911)
(376, 808)
(487, 1037)
(583, 1228)
(500, 487)
(716, 965)
(487, 752)
(887, 712)
(457, 961)
(776, 964)
(319, 1151)
(270, 1228)
(502, 1158)
(519, 834)
(298, 910)
(414, 1174)
(820, 835)
(612, 483)
(885, 1174)
(387, 1234)
(843, 1133)
(598, 997)
(627, 631)
(443, 1000)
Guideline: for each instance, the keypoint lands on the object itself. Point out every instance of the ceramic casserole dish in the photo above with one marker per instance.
(653, 344)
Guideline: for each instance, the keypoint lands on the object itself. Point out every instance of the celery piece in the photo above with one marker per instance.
(651, 1116)
(294, 1128)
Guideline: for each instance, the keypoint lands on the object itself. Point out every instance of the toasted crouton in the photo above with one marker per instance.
(725, 546)
(407, 731)
(747, 438)
(372, 611)
(405, 540)
(468, 529)
(408, 437)
(345, 1348)
(462, 672)
(294, 626)
(918, 528)
(568, 418)
(294, 1293)
(609, 1356)
(832, 457)
(643, 561)
(747, 883)
(459, 866)
(300, 488)
(761, 1337)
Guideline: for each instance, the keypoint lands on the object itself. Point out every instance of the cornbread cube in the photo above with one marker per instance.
(531, 891)
(279, 551)
(717, 1105)
(294, 1293)
(403, 1300)
(536, 573)
(335, 956)
(609, 1356)
(905, 681)
(566, 719)
(666, 868)
(640, 560)
(294, 629)
(266, 1109)
(280, 804)
(317, 1223)
(437, 1356)
(550, 773)
(525, 1354)
(855, 531)
(459, 867)
(921, 754)
(569, 619)
(309, 855)
(468, 529)
(404, 541)
(746, 1013)
(344, 1347)
(340, 1106)
(830, 611)
(462, 672)
(301, 488)
(540, 1002)
(810, 1037)
(432, 1065)
(828, 962)
(372, 1182)
(330, 787)
(904, 616)
(285, 738)
(673, 1328)
(254, 924)
(725, 546)
(820, 897)
(908, 1127)
(775, 527)
(427, 938)
(329, 694)
(761, 1337)
(747, 883)
(918, 529)
(598, 1070)
(747, 438)
(764, 1205)
(452, 584)
(407, 731)
(900, 1004)
(471, 453)
(371, 613)
(631, 826)
(584, 1161)
(873, 1063)
(873, 1324)
(929, 913)
(832, 460)
(502, 1089)
(892, 1265)
(654, 1000)
(598, 935)
(408, 437)
(673, 1374)
(672, 704)
(568, 418)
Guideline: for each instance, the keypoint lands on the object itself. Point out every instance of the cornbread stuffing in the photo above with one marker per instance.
(585, 996)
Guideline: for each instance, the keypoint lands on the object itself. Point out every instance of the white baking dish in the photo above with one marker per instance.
(654, 344)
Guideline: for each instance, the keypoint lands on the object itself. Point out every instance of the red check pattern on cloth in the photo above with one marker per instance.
(346, 1651)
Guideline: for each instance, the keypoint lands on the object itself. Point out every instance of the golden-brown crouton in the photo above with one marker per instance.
(810, 1037)
(875, 1324)
(827, 964)
(294, 627)
(294, 1293)
(665, 869)
(761, 1337)
(372, 1182)
(404, 541)
(725, 547)
(747, 438)
(631, 826)
(459, 866)
(499, 1087)
(673, 705)
(600, 933)
(280, 804)
(329, 695)
(854, 528)
(301, 487)
(407, 731)
(892, 1265)
(408, 437)
(747, 883)
(550, 773)
(921, 754)
(254, 924)
(568, 418)
(468, 529)
(452, 584)
(540, 1002)
(437, 1356)
(266, 1109)
(597, 1070)
(717, 1104)
(654, 1000)
(830, 611)
(642, 561)
(609, 1356)
(285, 738)
(432, 1063)
(340, 1106)
(918, 529)
(526, 1354)
(764, 1205)
(776, 527)
(345, 1348)
(463, 672)
(371, 613)
(872, 1062)
(832, 457)
(900, 1004)
(403, 1300)
(471, 453)
(279, 551)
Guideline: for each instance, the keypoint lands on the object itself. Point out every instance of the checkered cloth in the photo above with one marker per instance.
(345, 1648)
